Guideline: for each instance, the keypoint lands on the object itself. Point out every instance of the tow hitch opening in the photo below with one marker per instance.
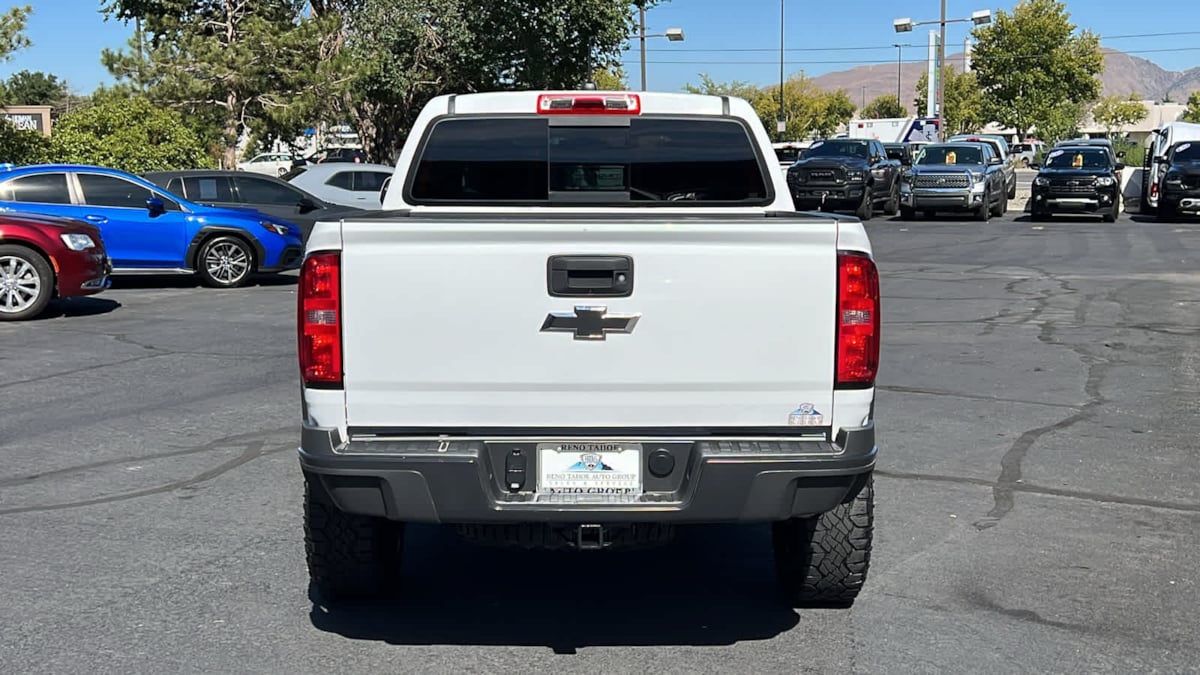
(590, 537)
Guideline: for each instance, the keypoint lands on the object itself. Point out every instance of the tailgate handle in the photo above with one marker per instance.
(605, 276)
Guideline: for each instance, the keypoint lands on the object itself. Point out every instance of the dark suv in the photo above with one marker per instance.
(1180, 187)
(846, 174)
(1078, 179)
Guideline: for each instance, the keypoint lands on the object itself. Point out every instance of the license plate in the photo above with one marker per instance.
(589, 468)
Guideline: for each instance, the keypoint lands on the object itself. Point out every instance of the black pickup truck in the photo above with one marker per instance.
(1180, 188)
(1078, 179)
(846, 174)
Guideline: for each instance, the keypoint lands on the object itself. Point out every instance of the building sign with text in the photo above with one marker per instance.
(28, 117)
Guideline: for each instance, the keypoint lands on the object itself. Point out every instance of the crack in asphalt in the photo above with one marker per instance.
(76, 371)
(978, 600)
(250, 450)
(1027, 488)
(1011, 462)
(922, 391)
(116, 461)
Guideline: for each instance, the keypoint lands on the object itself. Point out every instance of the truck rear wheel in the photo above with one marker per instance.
(822, 560)
(350, 557)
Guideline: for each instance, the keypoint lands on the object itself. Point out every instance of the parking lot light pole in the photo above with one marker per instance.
(979, 18)
(672, 34)
(899, 68)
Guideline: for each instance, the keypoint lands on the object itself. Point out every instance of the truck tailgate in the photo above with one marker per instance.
(444, 316)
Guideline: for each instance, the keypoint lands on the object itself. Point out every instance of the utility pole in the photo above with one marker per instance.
(781, 127)
(137, 22)
(899, 66)
(941, 69)
(642, 38)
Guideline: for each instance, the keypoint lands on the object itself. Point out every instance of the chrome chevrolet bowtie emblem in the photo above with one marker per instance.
(941, 181)
(589, 323)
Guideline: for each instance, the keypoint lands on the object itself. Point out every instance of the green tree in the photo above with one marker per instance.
(1034, 67)
(1115, 113)
(962, 101)
(131, 134)
(254, 62)
(609, 79)
(33, 88)
(402, 53)
(1192, 114)
(736, 88)
(883, 107)
(22, 146)
(836, 110)
(12, 31)
(807, 109)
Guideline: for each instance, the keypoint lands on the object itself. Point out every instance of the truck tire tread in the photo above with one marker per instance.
(823, 560)
(350, 557)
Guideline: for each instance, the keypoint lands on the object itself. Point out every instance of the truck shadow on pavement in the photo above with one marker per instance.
(154, 281)
(713, 585)
(63, 308)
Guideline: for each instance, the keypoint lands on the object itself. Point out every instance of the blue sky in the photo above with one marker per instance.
(826, 36)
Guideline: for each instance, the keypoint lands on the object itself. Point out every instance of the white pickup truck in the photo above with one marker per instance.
(583, 319)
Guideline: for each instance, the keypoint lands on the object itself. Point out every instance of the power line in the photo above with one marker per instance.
(1128, 36)
(890, 61)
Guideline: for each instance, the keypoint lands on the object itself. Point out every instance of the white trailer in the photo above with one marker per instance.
(895, 129)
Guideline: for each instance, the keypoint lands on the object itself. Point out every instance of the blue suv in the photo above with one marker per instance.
(147, 230)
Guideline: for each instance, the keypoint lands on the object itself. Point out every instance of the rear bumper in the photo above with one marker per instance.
(712, 480)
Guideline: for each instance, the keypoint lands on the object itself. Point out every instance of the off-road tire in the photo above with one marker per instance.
(1112, 214)
(893, 202)
(984, 212)
(1012, 191)
(866, 208)
(823, 560)
(1001, 207)
(1039, 216)
(23, 259)
(350, 557)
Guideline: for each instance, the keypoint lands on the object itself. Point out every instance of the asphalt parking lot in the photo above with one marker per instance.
(1037, 491)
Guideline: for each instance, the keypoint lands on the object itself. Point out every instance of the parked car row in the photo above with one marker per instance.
(67, 229)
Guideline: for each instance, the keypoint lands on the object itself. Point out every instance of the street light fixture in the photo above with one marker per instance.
(672, 34)
(981, 17)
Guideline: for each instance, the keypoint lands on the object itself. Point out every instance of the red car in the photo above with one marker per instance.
(43, 258)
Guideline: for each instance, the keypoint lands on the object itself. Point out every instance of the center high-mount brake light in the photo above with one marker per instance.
(857, 321)
(589, 104)
(319, 320)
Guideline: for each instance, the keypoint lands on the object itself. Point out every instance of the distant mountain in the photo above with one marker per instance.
(1123, 74)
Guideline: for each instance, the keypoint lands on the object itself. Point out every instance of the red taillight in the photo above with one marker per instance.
(320, 320)
(857, 320)
(589, 104)
(1154, 190)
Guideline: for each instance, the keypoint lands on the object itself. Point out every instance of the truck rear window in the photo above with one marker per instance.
(483, 160)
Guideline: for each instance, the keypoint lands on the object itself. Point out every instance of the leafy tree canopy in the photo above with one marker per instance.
(884, 107)
(130, 134)
(1034, 67)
